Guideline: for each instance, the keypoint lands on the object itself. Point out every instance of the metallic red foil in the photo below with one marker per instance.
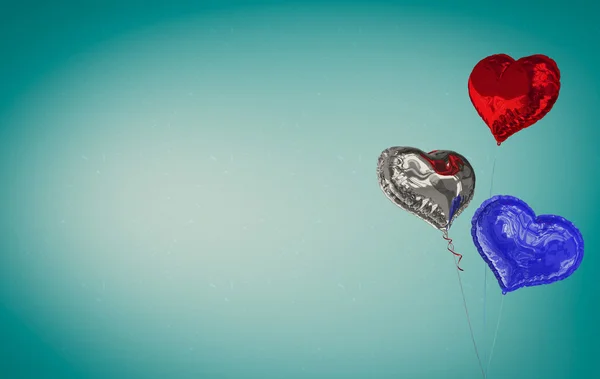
(512, 95)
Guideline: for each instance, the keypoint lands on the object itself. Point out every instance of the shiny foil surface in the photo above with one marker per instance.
(522, 249)
(512, 95)
(435, 186)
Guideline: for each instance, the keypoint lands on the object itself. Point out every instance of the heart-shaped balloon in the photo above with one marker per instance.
(524, 250)
(512, 95)
(435, 186)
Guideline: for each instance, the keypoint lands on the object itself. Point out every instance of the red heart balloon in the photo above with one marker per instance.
(511, 95)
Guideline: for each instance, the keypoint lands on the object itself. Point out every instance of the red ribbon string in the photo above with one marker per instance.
(451, 249)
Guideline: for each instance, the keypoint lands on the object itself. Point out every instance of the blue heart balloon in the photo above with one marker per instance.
(524, 250)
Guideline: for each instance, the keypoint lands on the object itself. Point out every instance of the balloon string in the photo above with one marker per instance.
(485, 268)
(462, 292)
(495, 335)
(493, 170)
(451, 249)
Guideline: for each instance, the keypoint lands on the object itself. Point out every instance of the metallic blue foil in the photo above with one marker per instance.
(523, 249)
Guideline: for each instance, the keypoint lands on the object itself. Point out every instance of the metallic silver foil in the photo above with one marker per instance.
(425, 184)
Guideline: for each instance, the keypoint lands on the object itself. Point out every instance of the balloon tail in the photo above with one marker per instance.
(462, 292)
(451, 249)
(495, 335)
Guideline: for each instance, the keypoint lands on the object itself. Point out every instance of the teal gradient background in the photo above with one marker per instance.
(189, 191)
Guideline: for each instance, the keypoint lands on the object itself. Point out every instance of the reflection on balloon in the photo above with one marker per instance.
(435, 186)
(512, 95)
(524, 250)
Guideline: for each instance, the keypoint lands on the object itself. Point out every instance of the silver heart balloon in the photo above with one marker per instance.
(435, 186)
